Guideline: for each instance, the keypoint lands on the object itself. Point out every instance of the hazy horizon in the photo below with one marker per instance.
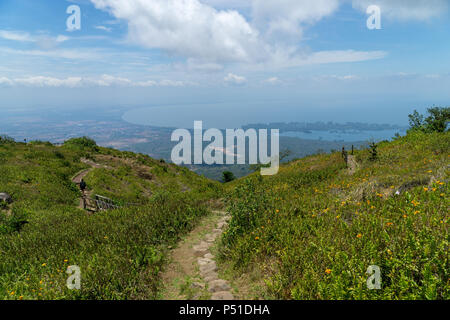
(301, 60)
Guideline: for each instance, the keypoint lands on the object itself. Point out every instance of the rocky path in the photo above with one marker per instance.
(192, 272)
(352, 164)
(81, 175)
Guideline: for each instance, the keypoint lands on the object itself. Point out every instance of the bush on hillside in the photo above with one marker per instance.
(228, 176)
(5, 139)
(437, 120)
(83, 143)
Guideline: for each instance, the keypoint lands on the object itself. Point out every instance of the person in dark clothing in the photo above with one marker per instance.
(82, 185)
(82, 188)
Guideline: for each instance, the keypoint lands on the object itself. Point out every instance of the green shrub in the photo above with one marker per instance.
(437, 120)
(82, 143)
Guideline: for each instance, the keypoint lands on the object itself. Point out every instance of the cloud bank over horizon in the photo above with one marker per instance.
(225, 49)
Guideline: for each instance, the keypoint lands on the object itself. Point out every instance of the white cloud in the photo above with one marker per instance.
(107, 80)
(227, 4)
(212, 37)
(406, 9)
(26, 37)
(16, 36)
(41, 81)
(188, 28)
(235, 79)
(73, 54)
(171, 83)
(272, 80)
(338, 77)
(148, 83)
(5, 81)
(286, 59)
(76, 82)
(288, 16)
(107, 29)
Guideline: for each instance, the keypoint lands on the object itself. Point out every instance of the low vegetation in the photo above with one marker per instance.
(312, 230)
(309, 232)
(119, 252)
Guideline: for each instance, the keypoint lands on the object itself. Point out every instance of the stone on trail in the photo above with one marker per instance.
(210, 276)
(198, 285)
(204, 261)
(209, 256)
(218, 285)
(208, 268)
(222, 295)
(211, 237)
(201, 249)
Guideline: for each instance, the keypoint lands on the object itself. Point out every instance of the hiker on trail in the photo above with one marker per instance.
(82, 185)
(82, 188)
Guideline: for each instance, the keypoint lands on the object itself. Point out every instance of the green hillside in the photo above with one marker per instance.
(312, 230)
(309, 232)
(120, 252)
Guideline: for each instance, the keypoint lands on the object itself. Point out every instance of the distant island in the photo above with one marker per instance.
(307, 127)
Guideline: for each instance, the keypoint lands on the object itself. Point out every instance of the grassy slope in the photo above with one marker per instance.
(119, 252)
(313, 230)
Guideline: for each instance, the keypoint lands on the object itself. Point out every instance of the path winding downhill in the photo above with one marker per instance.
(192, 272)
(81, 175)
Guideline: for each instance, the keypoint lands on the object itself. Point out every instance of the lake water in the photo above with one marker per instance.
(235, 115)
(347, 136)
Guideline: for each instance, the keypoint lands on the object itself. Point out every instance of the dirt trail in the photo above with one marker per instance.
(81, 175)
(352, 164)
(192, 272)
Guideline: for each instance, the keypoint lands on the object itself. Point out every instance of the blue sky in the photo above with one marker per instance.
(318, 55)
